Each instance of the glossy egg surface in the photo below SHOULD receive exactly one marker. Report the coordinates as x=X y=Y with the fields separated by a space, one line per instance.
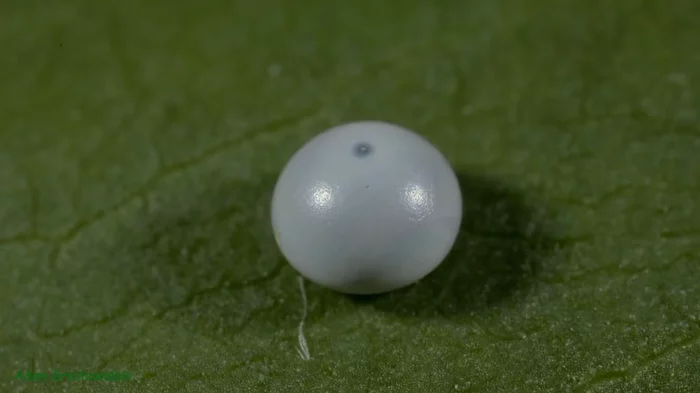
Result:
x=366 y=207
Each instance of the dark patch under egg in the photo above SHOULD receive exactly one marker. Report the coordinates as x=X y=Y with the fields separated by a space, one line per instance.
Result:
x=362 y=149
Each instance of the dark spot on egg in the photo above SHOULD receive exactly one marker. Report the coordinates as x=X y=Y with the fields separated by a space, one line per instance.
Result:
x=362 y=149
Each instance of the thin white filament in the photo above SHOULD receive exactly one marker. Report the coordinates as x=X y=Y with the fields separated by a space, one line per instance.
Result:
x=303 y=349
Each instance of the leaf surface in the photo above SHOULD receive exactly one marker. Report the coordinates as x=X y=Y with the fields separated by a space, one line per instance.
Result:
x=140 y=141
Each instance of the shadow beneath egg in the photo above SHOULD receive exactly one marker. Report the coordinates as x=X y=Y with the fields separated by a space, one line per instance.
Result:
x=496 y=255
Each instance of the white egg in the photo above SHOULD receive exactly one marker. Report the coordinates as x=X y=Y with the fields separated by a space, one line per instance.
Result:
x=366 y=207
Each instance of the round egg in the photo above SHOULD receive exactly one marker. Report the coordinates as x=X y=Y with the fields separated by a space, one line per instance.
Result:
x=366 y=207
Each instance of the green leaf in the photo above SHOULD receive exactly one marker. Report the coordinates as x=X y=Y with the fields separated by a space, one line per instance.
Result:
x=140 y=141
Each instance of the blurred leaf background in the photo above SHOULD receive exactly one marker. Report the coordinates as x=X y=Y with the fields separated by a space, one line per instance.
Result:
x=140 y=141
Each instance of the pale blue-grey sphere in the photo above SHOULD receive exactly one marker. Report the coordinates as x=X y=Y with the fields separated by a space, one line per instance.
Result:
x=366 y=207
